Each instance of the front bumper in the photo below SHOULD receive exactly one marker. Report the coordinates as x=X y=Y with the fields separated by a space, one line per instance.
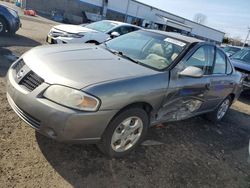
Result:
x=62 y=40
x=53 y=120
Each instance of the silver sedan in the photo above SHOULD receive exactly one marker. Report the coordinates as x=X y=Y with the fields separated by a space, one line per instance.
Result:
x=112 y=93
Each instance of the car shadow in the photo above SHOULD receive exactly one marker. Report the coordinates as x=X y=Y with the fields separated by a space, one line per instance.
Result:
x=195 y=140
x=6 y=60
x=17 y=40
x=245 y=97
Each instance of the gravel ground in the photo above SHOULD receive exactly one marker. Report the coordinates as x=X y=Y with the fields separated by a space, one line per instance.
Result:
x=191 y=153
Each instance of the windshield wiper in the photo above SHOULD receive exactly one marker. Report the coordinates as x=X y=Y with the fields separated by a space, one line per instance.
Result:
x=129 y=58
x=121 y=54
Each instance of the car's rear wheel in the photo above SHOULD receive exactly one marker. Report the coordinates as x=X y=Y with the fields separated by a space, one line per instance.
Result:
x=124 y=132
x=3 y=26
x=220 y=111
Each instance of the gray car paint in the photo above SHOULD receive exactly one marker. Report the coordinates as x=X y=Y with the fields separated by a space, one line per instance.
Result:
x=78 y=65
x=118 y=83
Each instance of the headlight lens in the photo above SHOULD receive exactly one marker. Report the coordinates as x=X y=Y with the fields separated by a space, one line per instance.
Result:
x=72 y=98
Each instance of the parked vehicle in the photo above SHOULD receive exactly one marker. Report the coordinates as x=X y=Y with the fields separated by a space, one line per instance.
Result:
x=230 y=50
x=112 y=93
x=96 y=32
x=241 y=62
x=9 y=20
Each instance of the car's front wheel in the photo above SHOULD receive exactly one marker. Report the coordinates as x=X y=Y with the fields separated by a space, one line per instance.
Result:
x=124 y=132
x=3 y=26
x=220 y=111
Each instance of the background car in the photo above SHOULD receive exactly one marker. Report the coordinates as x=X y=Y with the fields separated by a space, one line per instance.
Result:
x=96 y=32
x=9 y=20
x=110 y=94
x=230 y=50
x=241 y=62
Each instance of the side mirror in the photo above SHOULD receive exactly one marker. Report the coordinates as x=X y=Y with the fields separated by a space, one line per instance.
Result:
x=193 y=72
x=114 y=34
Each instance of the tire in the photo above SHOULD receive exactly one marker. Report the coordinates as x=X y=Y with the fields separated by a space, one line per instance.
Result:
x=124 y=133
x=219 y=113
x=3 y=26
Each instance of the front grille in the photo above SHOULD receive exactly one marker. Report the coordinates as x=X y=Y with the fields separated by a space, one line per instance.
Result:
x=35 y=123
x=31 y=81
x=19 y=65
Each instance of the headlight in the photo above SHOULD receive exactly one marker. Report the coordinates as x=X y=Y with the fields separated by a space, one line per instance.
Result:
x=73 y=35
x=72 y=98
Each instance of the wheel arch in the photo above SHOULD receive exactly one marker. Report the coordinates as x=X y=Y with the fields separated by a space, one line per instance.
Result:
x=143 y=105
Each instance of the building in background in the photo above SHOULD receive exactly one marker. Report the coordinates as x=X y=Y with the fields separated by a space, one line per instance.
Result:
x=131 y=11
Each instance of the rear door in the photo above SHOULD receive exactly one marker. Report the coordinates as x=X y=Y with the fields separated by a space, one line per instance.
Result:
x=186 y=96
x=222 y=82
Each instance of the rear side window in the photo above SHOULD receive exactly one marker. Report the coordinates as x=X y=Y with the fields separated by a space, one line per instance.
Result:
x=203 y=59
x=220 y=63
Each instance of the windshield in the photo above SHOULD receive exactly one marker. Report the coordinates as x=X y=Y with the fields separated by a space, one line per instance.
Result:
x=151 y=49
x=101 y=26
x=243 y=55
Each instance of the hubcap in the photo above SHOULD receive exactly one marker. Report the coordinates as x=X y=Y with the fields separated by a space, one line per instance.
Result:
x=1 y=26
x=223 y=109
x=127 y=134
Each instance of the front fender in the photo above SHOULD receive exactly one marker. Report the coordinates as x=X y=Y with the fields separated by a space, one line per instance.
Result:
x=115 y=95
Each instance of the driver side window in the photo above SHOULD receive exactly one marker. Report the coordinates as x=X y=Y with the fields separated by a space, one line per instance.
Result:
x=203 y=59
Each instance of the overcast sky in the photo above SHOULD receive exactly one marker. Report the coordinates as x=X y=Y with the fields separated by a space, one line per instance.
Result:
x=230 y=16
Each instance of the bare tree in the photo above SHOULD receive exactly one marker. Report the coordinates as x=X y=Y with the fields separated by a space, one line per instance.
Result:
x=200 y=18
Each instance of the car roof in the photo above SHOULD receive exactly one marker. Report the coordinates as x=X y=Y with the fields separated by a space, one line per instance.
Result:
x=177 y=36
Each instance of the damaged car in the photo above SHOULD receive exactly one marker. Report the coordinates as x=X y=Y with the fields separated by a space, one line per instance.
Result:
x=241 y=62
x=112 y=93
x=96 y=32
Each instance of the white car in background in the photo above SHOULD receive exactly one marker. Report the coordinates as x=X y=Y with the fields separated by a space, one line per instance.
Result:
x=96 y=32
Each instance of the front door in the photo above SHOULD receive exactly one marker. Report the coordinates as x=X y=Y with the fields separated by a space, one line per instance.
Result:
x=186 y=96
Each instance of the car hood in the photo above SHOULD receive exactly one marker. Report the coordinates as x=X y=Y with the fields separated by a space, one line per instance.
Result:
x=80 y=65
x=73 y=28
x=241 y=64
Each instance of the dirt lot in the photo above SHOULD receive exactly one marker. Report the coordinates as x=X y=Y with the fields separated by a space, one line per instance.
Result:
x=191 y=153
